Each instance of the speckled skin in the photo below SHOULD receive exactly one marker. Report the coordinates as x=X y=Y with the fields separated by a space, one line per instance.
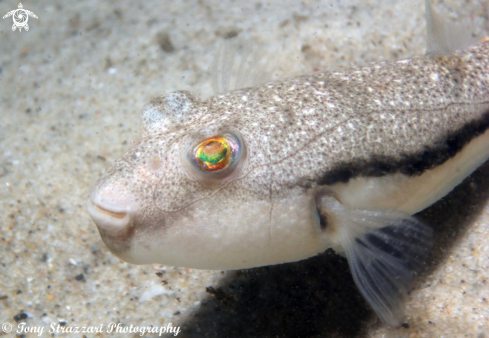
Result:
x=299 y=133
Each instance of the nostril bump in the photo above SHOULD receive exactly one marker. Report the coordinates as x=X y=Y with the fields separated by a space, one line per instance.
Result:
x=155 y=163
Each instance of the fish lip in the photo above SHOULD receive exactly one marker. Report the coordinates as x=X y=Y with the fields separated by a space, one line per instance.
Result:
x=111 y=213
x=108 y=218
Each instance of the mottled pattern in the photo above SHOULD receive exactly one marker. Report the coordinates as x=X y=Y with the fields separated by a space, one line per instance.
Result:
x=303 y=128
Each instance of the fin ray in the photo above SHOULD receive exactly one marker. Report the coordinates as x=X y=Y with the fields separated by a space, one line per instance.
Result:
x=386 y=263
x=385 y=249
x=442 y=36
x=238 y=65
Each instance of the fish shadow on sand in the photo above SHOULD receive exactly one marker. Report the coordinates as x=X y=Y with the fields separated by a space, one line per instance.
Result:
x=317 y=297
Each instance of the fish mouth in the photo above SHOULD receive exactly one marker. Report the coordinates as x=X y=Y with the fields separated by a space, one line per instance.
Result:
x=108 y=218
x=114 y=214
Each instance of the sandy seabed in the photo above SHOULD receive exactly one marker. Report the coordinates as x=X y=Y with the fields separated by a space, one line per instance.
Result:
x=70 y=92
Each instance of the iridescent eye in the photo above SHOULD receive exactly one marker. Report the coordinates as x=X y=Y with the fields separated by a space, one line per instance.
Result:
x=216 y=153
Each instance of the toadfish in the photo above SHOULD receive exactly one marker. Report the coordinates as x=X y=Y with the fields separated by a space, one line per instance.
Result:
x=285 y=170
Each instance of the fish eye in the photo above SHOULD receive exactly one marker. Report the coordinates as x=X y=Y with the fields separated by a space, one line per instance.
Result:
x=216 y=154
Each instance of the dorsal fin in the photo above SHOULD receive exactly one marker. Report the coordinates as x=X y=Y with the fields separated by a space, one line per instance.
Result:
x=443 y=36
x=237 y=65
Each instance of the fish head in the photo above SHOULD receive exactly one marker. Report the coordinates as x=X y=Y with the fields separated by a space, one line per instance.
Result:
x=194 y=192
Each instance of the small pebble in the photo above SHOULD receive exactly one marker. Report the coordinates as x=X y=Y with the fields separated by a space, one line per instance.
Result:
x=20 y=316
x=80 y=277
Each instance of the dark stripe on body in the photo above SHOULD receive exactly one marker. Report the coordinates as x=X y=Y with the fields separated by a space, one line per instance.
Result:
x=409 y=164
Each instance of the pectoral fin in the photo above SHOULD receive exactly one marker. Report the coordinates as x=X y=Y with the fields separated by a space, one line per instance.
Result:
x=385 y=250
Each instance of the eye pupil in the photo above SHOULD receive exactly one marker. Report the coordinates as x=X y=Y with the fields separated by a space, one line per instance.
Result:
x=213 y=154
